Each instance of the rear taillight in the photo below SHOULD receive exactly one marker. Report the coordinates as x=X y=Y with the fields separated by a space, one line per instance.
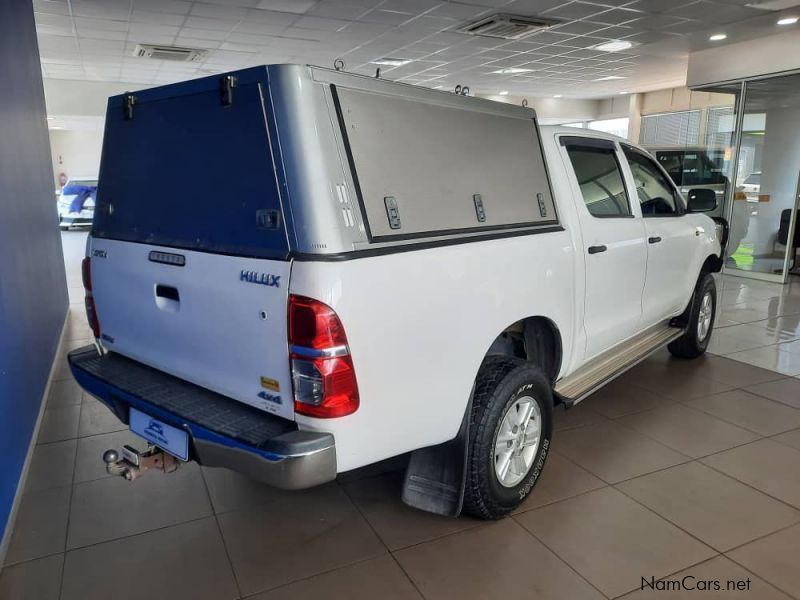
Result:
x=88 y=300
x=322 y=369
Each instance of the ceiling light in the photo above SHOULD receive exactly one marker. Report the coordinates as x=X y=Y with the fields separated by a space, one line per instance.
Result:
x=788 y=21
x=391 y=62
x=556 y=95
x=613 y=46
x=772 y=4
x=610 y=78
x=504 y=93
x=625 y=92
x=717 y=37
x=50 y=118
x=511 y=71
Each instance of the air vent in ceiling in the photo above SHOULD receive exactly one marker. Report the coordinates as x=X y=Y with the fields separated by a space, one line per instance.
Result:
x=507 y=27
x=167 y=53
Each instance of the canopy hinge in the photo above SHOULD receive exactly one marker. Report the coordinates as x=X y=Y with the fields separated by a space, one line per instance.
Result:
x=226 y=85
x=127 y=106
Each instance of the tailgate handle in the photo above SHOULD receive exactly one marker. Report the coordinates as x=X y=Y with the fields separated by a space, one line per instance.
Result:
x=168 y=292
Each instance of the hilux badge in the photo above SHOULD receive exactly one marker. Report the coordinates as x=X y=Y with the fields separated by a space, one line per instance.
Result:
x=262 y=278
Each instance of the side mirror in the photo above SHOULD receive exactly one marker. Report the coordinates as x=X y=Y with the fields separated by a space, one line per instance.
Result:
x=702 y=200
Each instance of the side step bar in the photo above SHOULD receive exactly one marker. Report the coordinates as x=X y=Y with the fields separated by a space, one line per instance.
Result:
x=600 y=370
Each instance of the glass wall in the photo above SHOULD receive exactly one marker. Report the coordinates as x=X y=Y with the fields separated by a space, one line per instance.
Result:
x=743 y=141
x=696 y=146
x=768 y=170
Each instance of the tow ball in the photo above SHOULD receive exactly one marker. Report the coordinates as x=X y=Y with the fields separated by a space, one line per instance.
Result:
x=134 y=464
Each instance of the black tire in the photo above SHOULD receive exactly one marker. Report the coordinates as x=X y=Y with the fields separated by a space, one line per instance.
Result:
x=691 y=344
x=500 y=383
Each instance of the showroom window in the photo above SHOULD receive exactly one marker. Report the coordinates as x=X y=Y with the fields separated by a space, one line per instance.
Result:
x=671 y=129
x=618 y=127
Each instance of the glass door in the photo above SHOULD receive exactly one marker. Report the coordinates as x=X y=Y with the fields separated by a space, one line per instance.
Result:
x=763 y=241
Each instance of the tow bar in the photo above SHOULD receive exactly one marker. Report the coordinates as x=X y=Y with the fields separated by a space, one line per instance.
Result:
x=134 y=464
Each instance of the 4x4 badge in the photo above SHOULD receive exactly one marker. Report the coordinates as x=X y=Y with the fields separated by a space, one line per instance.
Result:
x=262 y=278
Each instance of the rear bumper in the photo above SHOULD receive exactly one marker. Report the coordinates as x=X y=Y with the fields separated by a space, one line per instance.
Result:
x=222 y=432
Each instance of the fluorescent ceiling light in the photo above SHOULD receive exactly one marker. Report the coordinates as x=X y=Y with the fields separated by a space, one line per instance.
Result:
x=556 y=95
x=788 y=21
x=504 y=93
x=717 y=37
x=511 y=71
x=613 y=46
x=624 y=92
x=391 y=62
x=610 y=78
x=773 y=4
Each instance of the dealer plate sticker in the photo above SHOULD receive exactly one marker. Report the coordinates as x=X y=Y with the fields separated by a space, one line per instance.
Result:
x=168 y=438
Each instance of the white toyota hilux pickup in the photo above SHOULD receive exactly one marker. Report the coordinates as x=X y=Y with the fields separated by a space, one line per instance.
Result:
x=323 y=270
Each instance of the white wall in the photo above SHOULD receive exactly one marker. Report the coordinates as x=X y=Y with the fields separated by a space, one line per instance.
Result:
x=761 y=56
x=76 y=153
x=780 y=163
x=681 y=98
x=67 y=97
x=553 y=111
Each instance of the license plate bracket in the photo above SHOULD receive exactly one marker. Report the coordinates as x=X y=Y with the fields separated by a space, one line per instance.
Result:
x=170 y=439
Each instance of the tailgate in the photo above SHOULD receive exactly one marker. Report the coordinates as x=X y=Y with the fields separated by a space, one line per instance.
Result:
x=189 y=248
x=217 y=321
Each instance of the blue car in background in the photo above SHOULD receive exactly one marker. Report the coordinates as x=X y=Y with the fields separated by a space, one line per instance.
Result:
x=76 y=203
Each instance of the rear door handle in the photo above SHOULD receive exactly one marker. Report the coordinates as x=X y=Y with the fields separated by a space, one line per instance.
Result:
x=597 y=249
x=653 y=240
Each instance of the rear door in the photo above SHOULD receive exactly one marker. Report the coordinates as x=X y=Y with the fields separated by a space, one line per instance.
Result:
x=189 y=249
x=613 y=243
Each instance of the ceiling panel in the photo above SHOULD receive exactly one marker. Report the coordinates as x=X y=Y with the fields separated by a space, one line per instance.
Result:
x=94 y=39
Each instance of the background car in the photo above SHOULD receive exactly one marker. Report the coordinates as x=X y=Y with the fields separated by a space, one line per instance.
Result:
x=696 y=167
x=76 y=202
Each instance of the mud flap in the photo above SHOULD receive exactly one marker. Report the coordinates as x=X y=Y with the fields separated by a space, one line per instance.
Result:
x=436 y=475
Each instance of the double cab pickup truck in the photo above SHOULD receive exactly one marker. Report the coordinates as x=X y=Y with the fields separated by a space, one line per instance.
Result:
x=294 y=272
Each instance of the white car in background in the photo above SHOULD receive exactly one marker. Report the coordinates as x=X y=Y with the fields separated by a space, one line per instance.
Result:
x=76 y=202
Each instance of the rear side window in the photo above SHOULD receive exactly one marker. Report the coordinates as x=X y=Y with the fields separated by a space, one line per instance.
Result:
x=657 y=196
x=600 y=180
x=189 y=172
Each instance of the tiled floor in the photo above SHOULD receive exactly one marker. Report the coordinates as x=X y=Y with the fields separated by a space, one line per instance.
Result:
x=759 y=323
x=677 y=468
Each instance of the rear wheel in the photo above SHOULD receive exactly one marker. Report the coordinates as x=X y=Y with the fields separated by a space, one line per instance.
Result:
x=510 y=433
x=700 y=322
